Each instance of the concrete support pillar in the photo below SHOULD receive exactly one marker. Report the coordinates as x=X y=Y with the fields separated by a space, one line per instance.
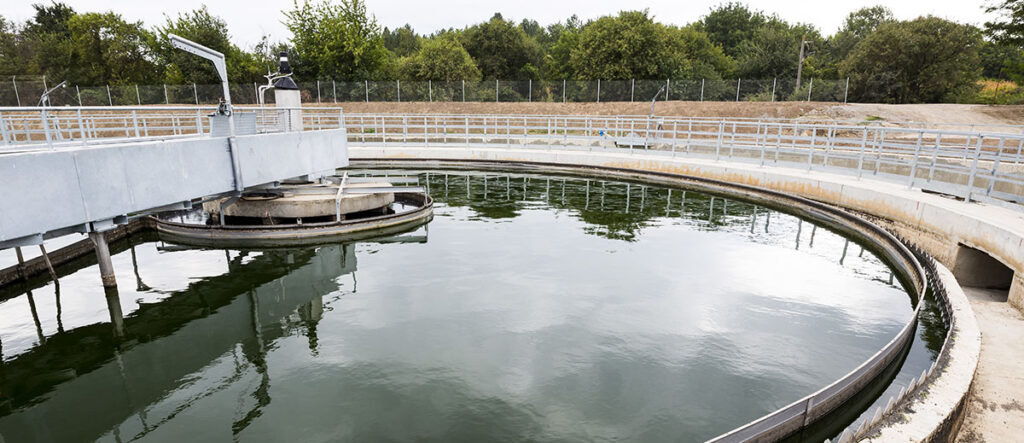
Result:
x=103 y=257
x=114 y=308
x=1016 y=296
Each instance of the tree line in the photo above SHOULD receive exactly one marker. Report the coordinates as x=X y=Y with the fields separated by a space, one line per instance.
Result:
x=927 y=59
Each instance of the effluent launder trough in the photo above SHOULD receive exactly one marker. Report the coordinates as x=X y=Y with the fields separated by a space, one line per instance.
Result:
x=532 y=306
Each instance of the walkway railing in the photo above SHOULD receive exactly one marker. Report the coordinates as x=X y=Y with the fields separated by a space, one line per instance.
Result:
x=971 y=165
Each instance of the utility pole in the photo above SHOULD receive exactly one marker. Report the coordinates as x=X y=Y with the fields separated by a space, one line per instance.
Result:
x=800 y=64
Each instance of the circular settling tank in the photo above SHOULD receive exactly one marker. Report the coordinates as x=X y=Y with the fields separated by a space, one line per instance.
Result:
x=532 y=307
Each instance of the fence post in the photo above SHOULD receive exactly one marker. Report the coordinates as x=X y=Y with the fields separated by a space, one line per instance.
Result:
x=79 y=93
x=463 y=91
x=195 y=92
x=701 y=89
x=774 y=81
x=847 y=93
x=366 y=88
x=334 y=90
x=110 y=100
x=529 y=93
x=18 y=97
x=318 y=92
x=399 y=83
x=563 y=91
x=599 y=90
x=738 y=80
x=138 y=98
x=632 y=87
x=430 y=90
x=496 y=90
x=668 y=87
x=810 y=88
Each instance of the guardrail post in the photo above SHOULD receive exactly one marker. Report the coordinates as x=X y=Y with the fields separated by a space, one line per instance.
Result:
x=863 y=147
x=810 y=146
x=718 y=143
x=110 y=99
x=974 y=170
x=3 y=130
x=917 y=156
x=995 y=167
x=675 y=135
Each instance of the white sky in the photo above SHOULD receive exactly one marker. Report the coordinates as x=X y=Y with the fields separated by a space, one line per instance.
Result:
x=246 y=25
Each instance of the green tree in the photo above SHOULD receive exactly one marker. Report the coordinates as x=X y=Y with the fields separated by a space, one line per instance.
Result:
x=14 y=53
x=440 y=59
x=928 y=59
x=110 y=50
x=47 y=37
x=502 y=50
x=857 y=26
x=337 y=40
x=1008 y=28
x=633 y=46
x=774 y=51
x=731 y=24
x=211 y=31
x=403 y=41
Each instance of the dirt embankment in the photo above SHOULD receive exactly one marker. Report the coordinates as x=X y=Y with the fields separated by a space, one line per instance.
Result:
x=929 y=113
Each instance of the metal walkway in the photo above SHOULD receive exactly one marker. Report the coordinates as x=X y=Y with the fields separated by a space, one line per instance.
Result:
x=86 y=170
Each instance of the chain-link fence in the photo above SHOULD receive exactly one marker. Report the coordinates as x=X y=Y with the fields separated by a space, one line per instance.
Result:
x=16 y=92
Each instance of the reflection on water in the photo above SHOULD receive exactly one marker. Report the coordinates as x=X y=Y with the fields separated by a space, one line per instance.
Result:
x=535 y=308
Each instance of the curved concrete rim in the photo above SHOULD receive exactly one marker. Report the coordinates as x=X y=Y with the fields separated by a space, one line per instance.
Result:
x=936 y=420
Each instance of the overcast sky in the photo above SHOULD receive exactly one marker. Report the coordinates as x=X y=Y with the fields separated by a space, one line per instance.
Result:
x=247 y=25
